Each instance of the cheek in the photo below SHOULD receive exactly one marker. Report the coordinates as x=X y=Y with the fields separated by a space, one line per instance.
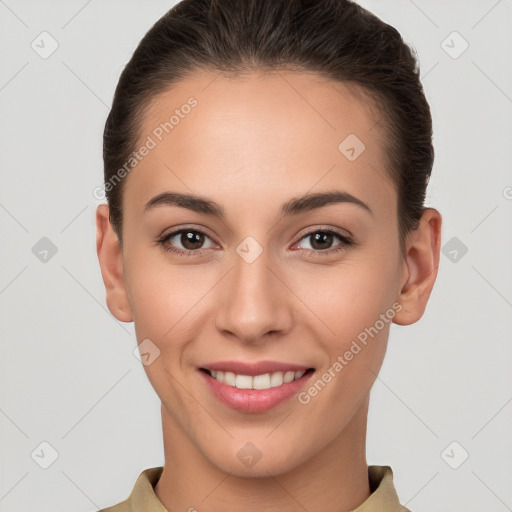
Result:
x=165 y=299
x=355 y=355
x=151 y=290
x=347 y=298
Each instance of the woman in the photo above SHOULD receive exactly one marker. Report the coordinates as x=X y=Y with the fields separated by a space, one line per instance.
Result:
x=266 y=163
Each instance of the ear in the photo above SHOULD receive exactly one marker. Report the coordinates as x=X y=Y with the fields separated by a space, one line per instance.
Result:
x=422 y=250
x=110 y=258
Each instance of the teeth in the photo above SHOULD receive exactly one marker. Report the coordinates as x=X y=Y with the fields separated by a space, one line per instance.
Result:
x=243 y=382
x=265 y=381
x=229 y=378
x=289 y=376
x=261 y=381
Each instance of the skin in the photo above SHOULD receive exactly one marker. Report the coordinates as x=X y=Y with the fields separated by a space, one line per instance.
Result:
x=251 y=144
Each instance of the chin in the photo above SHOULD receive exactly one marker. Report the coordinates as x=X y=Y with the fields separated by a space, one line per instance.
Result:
x=249 y=461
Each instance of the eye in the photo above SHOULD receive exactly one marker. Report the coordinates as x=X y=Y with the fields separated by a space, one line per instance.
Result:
x=190 y=242
x=185 y=241
x=321 y=241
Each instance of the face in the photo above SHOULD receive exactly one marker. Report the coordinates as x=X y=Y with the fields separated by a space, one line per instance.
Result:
x=256 y=280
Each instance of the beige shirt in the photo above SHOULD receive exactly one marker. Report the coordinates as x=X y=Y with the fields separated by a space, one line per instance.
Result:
x=383 y=496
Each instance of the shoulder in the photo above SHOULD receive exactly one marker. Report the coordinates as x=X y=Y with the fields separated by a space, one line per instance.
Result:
x=123 y=506
x=120 y=507
x=142 y=497
x=383 y=496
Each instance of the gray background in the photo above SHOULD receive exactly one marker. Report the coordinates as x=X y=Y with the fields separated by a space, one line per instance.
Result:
x=68 y=374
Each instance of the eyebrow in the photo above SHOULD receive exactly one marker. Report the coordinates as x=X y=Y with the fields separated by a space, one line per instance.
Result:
x=294 y=206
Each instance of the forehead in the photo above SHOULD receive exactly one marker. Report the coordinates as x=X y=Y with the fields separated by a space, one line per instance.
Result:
x=275 y=134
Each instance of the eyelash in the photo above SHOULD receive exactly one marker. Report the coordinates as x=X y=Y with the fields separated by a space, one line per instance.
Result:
x=345 y=242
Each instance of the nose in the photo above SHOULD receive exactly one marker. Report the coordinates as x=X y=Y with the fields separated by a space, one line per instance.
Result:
x=254 y=303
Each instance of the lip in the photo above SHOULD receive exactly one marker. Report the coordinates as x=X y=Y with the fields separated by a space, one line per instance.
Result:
x=252 y=369
x=254 y=400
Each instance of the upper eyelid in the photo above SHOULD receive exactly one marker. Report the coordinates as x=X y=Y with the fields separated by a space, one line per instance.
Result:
x=337 y=231
x=174 y=232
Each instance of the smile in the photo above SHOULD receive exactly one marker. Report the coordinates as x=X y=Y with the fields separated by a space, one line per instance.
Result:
x=254 y=388
x=264 y=381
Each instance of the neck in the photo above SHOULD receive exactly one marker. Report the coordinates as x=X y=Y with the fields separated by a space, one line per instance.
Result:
x=334 y=480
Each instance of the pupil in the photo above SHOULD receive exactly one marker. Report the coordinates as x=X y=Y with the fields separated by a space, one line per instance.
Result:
x=319 y=238
x=191 y=240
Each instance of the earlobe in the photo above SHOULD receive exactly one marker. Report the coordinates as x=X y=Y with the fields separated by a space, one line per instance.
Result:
x=110 y=259
x=423 y=247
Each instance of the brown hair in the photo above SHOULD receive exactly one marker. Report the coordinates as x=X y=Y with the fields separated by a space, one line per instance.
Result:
x=336 y=38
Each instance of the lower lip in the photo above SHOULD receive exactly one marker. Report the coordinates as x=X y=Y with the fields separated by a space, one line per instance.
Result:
x=254 y=400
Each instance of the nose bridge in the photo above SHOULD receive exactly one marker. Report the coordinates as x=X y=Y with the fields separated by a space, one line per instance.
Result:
x=252 y=304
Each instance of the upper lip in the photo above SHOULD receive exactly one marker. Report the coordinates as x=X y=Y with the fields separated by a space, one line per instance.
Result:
x=251 y=369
